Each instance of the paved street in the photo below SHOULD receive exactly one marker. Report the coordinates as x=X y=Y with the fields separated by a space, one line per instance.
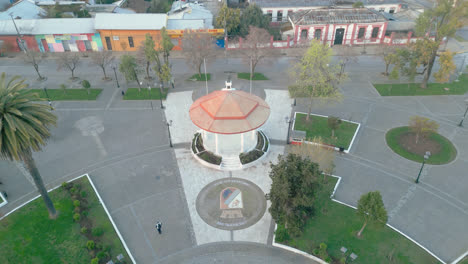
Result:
x=141 y=181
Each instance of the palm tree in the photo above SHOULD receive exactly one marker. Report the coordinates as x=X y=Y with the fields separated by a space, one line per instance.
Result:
x=24 y=127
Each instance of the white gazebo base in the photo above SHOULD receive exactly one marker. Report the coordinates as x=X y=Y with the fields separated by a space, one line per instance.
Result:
x=229 y=145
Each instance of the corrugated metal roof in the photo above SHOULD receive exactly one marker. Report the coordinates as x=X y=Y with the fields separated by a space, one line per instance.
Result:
x=185 y=24
x=130 y=21
x=314 y=3
x=336 y=16
x=24 y=9
x=190 y=11
x=48 y=26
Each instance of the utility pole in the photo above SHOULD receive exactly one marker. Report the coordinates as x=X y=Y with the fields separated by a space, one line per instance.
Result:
x=20 y=41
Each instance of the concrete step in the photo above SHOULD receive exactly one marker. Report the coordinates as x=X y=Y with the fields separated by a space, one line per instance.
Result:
x=231 y=163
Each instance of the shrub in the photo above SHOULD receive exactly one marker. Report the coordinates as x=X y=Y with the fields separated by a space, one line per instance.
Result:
x=102 y=254
x=98 y=246
x=66 y=185
x=281 y=234
x=76 y=217
x=84 y=213
x=199 y=143
x=210 y=157
x=73 y=190
x=85 y=84
x=194 y=143
x=83 y=194
x=97 y=232
x=84 y=230
x=76 y=203
x=250 y=156
x=95 y=261
x=90 y=245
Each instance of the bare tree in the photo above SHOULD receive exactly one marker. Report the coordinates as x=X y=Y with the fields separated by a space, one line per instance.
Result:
x=102 y=59
x=68 y=61
x=346 y=57
x=197 y=46
x=256 y=47
x=422 y=126
x=34 y=58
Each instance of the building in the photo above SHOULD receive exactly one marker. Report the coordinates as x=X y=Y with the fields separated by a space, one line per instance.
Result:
x=23 y=9
x=126 y=32
x=51 y=35
x=279 y=10
x=339 y=26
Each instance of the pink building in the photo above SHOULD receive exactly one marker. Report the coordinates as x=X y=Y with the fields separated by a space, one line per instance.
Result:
x=354 y=26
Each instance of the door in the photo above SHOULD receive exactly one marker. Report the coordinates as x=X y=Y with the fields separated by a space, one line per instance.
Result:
x=339 y=33
x=45 y=45
x=108 y=43
x=66 y=45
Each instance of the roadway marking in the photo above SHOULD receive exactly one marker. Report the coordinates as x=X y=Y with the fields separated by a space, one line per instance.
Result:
x=144 y=233
x=112 y=99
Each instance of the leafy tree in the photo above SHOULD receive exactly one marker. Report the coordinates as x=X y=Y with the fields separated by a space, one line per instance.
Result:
x=159 y=6
x=147 y=52
x=416 y=56
x=129 y=68
x=34 y=58
x=390 y=57
x=333 y=123
x=86 y=85
x=371 y=208
x=196 y=47
x=229 y=19
x=165 y=45
x=443 y=20
x=313 y=76
x=358 y=4
x=253 y=16
x=422 y=126
x=447 y=67
x=318 y=153
x=102 y=59
x=24 y=127
x=294 y=182
x=254 y=49
x=69 y=61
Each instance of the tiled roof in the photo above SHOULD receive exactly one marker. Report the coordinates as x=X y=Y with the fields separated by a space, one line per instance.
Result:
x=336 y=16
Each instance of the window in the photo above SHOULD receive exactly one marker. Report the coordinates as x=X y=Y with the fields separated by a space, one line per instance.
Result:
x=361 y=33
x=130 y=42
x=381 y=9
x=304 y=34
x=375 y=32
x=115 y=37
x=279 y=16
x=318 y=34
x=270 y=15
x=392 y=10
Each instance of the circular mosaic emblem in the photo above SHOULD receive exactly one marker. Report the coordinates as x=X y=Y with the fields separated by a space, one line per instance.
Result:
x=231 y=204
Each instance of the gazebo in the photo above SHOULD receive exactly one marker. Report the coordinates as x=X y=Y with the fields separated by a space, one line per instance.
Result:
x=229 y=119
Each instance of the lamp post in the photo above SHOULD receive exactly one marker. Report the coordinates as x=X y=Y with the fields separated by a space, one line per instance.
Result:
x=289 y=121
x=426 y=157
x=464 y=115
x=169 y=131
x=48 y=98
x=115 y=74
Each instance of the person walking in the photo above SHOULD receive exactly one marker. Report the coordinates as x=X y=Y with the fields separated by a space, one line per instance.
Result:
x=158 y=227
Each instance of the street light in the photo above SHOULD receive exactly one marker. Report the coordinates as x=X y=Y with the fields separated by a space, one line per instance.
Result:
x=169 y=131
x=115 y=74
x=464 y=115
x=289 y=121
x=426 y=157
x=48 y=98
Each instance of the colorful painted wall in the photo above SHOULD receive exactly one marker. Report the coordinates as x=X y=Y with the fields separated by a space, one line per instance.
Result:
x=69 y=42
x=10 y=44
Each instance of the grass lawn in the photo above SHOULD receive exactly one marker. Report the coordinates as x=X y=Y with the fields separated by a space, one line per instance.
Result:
x=446 y=154
x=29 y=236
x=337 y=225
x=69 y=95
x=155 y=94
x=200 y=77
x=256 y=77
x=318 y=127
x=402 y=89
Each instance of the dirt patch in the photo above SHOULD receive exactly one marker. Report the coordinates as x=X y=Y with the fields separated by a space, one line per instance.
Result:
x=408 y=142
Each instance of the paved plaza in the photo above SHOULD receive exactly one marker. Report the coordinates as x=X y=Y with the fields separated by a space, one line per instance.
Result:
x=124 y=146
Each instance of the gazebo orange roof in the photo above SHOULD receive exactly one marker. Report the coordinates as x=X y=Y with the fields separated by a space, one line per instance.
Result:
x=229 y=112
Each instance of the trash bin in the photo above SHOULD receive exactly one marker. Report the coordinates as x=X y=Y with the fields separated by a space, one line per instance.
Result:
x=341 y=149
